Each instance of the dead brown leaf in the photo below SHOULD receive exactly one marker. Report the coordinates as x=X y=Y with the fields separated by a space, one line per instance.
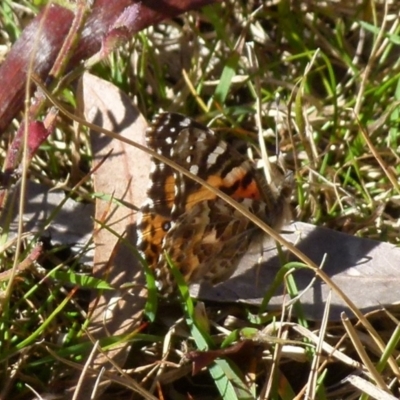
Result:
x=118 y=183
x=366 y=270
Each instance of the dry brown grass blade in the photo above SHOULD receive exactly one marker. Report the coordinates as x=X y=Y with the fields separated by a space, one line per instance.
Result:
x=368 y=388
x=388 y=171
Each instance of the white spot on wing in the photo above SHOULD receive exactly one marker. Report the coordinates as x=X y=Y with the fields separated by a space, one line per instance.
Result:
x=235 y=174
x=153 y=168
x=185 y=122
x=211 y=159
x=194 y=169
x=203 y=136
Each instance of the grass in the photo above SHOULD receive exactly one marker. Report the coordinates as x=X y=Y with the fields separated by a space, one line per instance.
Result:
x=336 y=70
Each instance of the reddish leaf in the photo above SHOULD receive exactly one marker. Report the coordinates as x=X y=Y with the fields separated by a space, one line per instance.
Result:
x=241 y=353
x=45 y=35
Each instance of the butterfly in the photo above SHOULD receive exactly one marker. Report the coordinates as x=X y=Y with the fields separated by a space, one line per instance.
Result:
x=203 y=235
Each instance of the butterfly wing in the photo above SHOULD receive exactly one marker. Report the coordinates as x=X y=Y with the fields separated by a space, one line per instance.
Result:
x=204 y=236
x=206 y=243
x=186 y=142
